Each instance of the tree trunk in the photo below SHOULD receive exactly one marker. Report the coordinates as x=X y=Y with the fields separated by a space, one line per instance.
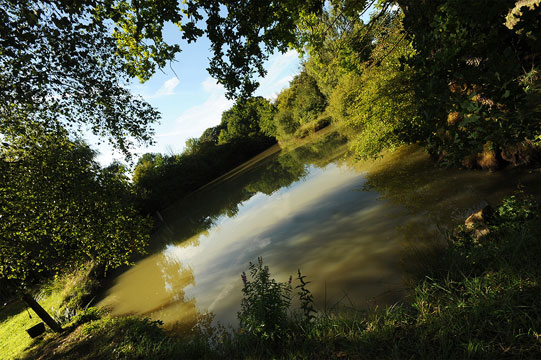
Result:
x=47 y=319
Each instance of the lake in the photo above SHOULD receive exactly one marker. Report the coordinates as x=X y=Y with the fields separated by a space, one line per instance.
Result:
x=355 y=229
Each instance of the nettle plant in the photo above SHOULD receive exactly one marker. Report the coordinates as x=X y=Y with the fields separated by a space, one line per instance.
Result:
x=265 y=306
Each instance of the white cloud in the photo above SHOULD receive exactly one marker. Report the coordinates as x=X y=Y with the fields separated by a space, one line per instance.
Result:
x=196 y=119
x=281 y=70
x=210 y=86
x=280 y=85
x=193 y=121
x=170 y=85
x=167 y=89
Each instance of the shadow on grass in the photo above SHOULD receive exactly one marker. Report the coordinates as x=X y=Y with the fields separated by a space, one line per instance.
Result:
x=11 y=309
x=127 y=337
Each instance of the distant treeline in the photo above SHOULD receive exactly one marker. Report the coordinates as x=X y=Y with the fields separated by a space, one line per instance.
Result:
x=243 y=133
x=459 y=78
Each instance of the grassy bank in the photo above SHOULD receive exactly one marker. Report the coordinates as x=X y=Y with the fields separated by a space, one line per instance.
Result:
x=14 y=319
x=63 y=297
x=480 y=298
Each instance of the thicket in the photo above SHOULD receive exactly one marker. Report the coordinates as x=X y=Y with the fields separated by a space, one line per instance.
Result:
x=60 y=209
x=477 y=79
x=300 y=108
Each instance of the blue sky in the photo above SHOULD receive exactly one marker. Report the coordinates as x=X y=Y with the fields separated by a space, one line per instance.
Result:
x=190 y=100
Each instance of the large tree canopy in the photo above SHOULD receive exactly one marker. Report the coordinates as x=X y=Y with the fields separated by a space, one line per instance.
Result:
x=475 y=73
x=59 y=209
x=250 y=117
x=243 y=33
x=58 y=65
x=68 y=61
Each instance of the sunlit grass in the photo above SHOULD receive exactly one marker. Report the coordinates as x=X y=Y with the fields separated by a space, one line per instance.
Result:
x=14 y=320
x=67 y=292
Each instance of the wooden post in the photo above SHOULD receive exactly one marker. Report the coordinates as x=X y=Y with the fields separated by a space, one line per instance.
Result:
x=47 y=319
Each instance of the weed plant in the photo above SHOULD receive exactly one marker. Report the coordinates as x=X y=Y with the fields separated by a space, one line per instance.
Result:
x=265 y=305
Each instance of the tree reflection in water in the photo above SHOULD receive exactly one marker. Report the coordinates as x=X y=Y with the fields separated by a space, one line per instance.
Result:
x=353 y=228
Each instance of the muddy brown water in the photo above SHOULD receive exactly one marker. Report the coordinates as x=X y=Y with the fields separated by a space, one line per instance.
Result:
x=353 y=229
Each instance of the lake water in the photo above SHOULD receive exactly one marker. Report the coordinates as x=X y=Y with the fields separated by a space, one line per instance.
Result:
x=354 y=229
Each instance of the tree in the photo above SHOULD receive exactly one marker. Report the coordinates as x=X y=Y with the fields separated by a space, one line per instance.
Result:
x=472 y=68
x=129 y=34
x=243 y=33
x=59 y=66
x=298 y=105
x=340 y=43
x=60 y=73
x=212 y=134
x=248 y=117
x=68 y=61
x=58 y=209
x=337 y=40
x=375 y=102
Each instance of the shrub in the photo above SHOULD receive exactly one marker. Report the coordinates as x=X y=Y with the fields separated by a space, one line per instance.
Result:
x=264 y=308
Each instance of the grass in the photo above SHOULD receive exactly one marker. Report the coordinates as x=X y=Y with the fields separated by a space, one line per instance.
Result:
x=480 y=299
x=62 y=297
x=126 y=337
x=14 y=320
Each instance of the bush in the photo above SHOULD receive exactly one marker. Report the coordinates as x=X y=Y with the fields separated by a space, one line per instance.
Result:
x=264 y=308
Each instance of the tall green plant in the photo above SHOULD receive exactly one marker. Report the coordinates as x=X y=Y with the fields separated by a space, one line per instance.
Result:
x=306 y=298
x=264 y=308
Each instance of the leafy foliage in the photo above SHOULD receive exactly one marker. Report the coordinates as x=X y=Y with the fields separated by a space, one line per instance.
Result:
x=375 y=104
x=265 y=305
x=161 y=179
x=302 y=103
x=244 y=33
x=338 y=42
x=469 y=64
x=59 y=68
x=59 y=209
x=459 y=79
x=248 y=118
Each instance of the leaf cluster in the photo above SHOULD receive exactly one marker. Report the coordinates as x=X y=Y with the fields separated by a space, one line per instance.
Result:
x=59 y=209
x=469 y=63
x=248 y=118
x=59 y=66
x=302 y=103
x=265 y=304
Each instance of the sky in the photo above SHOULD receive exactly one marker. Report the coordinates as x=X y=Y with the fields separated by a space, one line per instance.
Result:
x=189 y=100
